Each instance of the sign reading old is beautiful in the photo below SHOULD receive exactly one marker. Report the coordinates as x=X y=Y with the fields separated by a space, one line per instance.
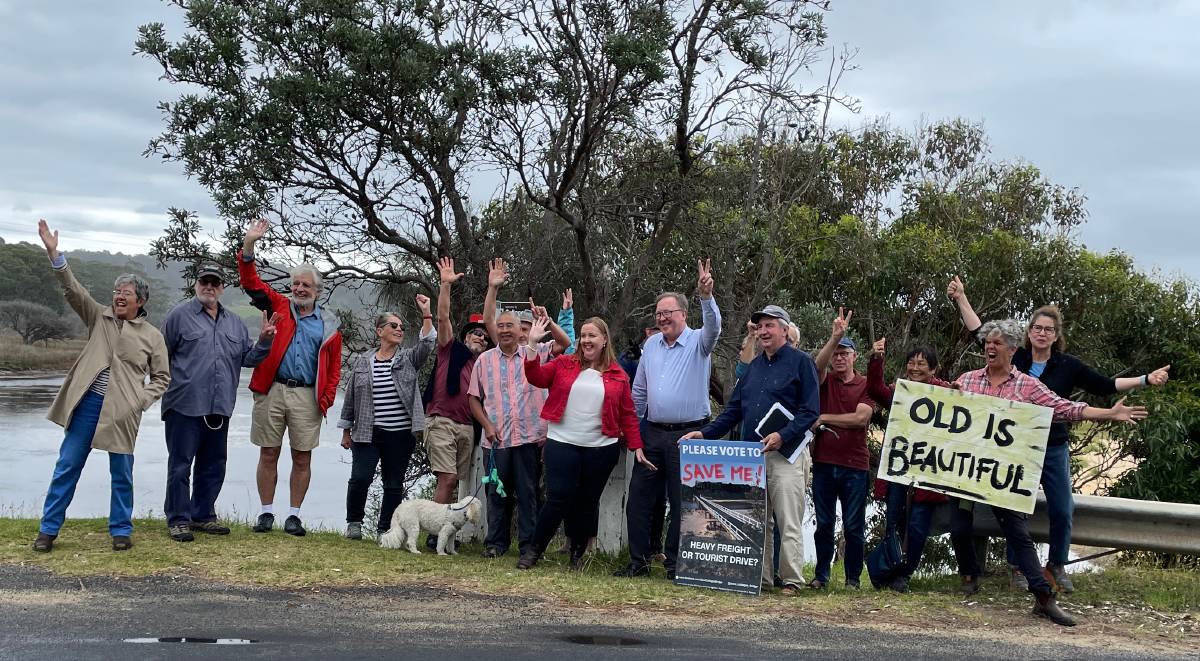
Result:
x=982 y=448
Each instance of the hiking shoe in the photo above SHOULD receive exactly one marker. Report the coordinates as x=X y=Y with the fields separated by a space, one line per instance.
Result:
x=122 y=543
x=210 y=527
x=1017 y=581
x=266 y=521
x=492 y=552
x=528 y=559
x=852 y=584
x=293 y=526
x=181 y=533
x=44 y=542
x=1044 y=605
x=354 y=530
x=899 y=584
x=816 y=584
x=790 y=590
x=632 y=570
x=1059 y=575
x=970 y=585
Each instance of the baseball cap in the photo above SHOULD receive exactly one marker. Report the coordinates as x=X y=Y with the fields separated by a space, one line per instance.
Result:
x=771 y=311
x=210 y=270
x=525 y=316
x=848 y=343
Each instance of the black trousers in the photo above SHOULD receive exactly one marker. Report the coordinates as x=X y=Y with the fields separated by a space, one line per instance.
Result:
x=1016 y=530
x=661 y=449
x=519 y=469
x=575 y=480
x=196 y=455
x=391 y=450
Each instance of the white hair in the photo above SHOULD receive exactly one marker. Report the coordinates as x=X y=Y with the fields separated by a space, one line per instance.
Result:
x=1010 y=330
x=307 y=269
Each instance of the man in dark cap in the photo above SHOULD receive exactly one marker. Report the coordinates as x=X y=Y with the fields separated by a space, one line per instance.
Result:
x=207 y=346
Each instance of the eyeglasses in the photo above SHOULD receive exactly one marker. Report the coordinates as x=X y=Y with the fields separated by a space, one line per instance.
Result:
x=392 y=325
x=666 y=314
x=478 y=332
x=124 y=294
x=1038 y=328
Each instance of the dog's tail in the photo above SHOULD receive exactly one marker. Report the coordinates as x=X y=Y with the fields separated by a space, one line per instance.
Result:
x=392 y=539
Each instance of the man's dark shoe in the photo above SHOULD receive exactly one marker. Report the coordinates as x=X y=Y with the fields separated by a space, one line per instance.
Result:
x=632 y=570
x=1017 y=581
x=44 y=542
x=528 y=559
x=670 y=574
x=209 y=527
x=293 y=526
x=181 y=533
x=492 y=552
x=899 y=584
x=122 y=543
x=431 y=542
x=816 y=584
x=1058 y=574
x=266 y=521
x=852 y=585
x=970 y=585
x=1044 y=605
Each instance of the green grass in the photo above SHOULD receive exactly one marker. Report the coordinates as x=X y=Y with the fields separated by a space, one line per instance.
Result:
x=325 y=559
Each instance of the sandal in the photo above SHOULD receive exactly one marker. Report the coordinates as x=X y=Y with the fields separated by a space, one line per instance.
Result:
x=122 y=543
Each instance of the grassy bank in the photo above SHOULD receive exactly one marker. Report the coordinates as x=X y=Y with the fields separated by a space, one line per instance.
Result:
x=1127 y=600
x=16 y=356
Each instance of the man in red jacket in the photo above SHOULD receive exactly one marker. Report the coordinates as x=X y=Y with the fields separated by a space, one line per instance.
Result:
x=295 y=384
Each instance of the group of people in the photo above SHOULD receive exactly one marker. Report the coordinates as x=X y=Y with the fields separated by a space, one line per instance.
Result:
x=548 y=407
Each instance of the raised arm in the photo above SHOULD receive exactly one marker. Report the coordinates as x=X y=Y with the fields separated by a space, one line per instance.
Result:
x=825 y=356
x=1156 y=378
x=447 y=278
x=958 y=293
x=747 y=352
x=427 y=338
x=710 y=332
x=497 y=276
x=77 y=296
x=557 y=334
x=260 y=292
x=877 y=387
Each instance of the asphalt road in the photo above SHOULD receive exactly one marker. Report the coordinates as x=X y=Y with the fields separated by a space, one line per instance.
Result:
x=44 y=616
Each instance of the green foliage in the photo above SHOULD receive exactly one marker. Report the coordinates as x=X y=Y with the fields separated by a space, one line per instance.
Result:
x=26 y=270
x=34 y=322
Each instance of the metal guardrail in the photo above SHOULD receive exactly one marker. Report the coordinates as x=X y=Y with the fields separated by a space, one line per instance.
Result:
x=1106 y=522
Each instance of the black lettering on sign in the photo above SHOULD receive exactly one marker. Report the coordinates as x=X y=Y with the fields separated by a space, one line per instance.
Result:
x=1016 y=486
x=898 y=456
x=922 y=410
x=1003 y=437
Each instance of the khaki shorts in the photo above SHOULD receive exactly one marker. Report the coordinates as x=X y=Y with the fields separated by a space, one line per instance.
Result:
x=284 y=408
x=449 y=446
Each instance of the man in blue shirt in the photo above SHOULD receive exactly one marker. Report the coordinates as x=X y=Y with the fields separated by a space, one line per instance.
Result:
x=207 y=346
x=670 y=393
x=784 y=375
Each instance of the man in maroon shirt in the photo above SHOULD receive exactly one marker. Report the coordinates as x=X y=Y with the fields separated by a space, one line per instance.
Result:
x=449 y=427
x=841 y=463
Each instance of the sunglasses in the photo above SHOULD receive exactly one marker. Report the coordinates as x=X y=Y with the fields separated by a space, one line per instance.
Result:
x=478 y=332
x=392 y=325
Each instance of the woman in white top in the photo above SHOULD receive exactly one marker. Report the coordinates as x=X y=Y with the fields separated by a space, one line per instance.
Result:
x=590 y=411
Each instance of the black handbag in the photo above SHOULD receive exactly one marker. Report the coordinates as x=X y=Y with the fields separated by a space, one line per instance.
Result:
x=887 y=559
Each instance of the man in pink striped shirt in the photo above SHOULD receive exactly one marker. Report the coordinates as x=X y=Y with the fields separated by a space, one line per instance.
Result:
x=509 y=411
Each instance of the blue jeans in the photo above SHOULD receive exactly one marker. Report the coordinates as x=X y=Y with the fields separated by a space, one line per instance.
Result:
x=919 y=520
x=71 y=457
x=832 y=484
x=1060 y=504
x=192 y=491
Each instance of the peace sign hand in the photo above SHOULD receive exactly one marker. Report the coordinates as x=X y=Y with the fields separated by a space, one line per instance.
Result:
x=842 y=322
x=267 y=333
x=568 y=299
x=704 y=282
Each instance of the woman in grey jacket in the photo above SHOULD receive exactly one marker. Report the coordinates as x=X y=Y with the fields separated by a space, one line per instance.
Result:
x=381 y=410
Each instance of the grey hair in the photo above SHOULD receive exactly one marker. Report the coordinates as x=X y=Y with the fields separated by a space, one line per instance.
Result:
x=140 y=287
x=680 y=299
x=309 y=269
x=1010 y=330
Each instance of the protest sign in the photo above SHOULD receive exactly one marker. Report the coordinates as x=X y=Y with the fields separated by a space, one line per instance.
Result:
x=973 y=446
x=721 y=515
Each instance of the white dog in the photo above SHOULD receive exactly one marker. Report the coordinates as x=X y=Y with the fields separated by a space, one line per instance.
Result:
x=413 y=516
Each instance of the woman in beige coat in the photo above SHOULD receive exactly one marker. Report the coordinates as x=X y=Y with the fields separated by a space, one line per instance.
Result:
x=105 y=392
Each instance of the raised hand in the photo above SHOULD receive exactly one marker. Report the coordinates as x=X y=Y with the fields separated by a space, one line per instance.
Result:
x=538 y=330
x=423 y=304
x=257 y=230
x=880 y=346
x=446 y=271
x=1123 y=413
x=955 y=289
x=267 y=332
x=751 y=328
x=704 y=282
x=539 y=312
x=568 y=299
x=49 y=239
x=842 y=322
x=1159 y=376
x=497 y=273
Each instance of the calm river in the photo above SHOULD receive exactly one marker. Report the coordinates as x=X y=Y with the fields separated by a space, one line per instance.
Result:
x=33 y=443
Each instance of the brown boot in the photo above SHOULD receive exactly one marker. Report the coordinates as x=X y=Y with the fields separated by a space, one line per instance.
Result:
x=970 y=585
x=44 y=542
x=1044 y=605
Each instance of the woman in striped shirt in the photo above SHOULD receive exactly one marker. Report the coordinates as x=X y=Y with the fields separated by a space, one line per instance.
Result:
x=380 y=412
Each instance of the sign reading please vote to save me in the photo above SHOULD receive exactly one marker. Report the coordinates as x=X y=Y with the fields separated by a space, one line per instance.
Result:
x=982 y=448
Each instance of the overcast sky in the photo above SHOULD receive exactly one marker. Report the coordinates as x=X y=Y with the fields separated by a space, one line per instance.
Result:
x=1103 y=96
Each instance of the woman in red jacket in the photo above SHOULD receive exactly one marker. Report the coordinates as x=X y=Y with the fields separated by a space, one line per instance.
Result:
x=589 y=410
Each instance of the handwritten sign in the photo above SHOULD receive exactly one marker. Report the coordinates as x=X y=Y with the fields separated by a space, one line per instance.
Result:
x=962 y=444
x=721 y=515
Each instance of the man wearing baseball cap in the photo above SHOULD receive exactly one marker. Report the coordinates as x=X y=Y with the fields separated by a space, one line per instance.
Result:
x=449 y=429
x=841 y=461
x=207 y=346
x=783 y=375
